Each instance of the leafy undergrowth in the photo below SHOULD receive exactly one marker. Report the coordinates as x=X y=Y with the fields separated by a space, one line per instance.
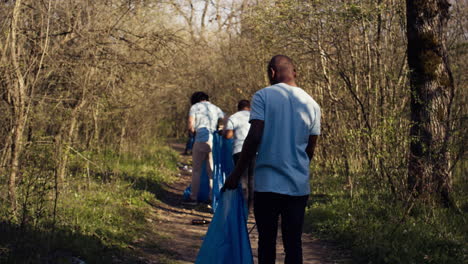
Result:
x=101 y=213
x=379 y=229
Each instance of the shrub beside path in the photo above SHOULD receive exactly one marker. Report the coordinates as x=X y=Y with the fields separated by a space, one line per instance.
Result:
x=178 y=240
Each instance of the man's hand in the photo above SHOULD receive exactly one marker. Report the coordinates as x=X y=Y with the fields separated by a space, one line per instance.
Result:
x=232 y=181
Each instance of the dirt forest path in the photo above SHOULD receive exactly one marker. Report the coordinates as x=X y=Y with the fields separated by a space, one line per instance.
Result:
x=181 y=240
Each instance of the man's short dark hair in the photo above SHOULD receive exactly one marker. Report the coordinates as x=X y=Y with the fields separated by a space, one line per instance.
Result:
x=281 y=63
x=198 y=97
x=243 y=104
x=281 y=69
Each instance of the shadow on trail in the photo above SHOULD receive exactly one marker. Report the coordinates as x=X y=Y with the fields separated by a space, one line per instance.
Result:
x=32 y=245
x=168 y=209
x=170 y=197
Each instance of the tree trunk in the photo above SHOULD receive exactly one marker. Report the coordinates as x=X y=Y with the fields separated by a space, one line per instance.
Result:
x=66 y=144
x=96 y=127
x=6 y=153
x=17 y=92
x=432 y=90
x=123 y=133
x=16 y=149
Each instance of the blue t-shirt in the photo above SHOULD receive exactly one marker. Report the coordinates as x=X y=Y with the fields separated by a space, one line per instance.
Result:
x=205 y=115
x=290 y=116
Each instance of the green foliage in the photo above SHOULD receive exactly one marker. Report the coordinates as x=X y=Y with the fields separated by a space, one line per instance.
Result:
x=379 y=229
x=113 y=212
x=99 y=214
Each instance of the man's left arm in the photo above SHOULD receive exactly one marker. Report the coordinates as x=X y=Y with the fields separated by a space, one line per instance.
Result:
x=249 y=151
x=228 y=134
x=314 y=132
x=228 y=131
x=221 y=120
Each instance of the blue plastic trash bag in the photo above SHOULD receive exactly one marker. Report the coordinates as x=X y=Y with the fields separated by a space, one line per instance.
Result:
x=227 y=239
x=204 y=190
x=223 y=165
x=187 y=192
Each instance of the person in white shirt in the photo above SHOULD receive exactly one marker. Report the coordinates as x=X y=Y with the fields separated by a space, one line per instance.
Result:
x=203 y=121
x=285 y=124
x=237 y=127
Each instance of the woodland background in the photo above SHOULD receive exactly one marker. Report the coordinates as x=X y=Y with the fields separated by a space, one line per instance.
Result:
x=89 y=91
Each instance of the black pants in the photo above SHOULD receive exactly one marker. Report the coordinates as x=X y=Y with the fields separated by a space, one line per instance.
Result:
x=247 y=181
x=267 y=209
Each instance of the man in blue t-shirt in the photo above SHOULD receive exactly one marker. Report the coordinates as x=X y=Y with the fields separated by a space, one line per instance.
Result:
x=285 y=124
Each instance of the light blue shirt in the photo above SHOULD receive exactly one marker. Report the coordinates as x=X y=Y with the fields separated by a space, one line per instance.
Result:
x=205 y=115
x=239 y=123
x=290 y=116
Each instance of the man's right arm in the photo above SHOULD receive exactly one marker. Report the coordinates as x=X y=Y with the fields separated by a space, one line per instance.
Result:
x=190 y=126
x=252 y=141
x=248 y=153
x=228 y=131
x=310 y=149
x=191 y=119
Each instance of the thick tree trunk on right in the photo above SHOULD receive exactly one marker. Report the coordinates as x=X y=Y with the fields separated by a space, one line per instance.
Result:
x=432 y=89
